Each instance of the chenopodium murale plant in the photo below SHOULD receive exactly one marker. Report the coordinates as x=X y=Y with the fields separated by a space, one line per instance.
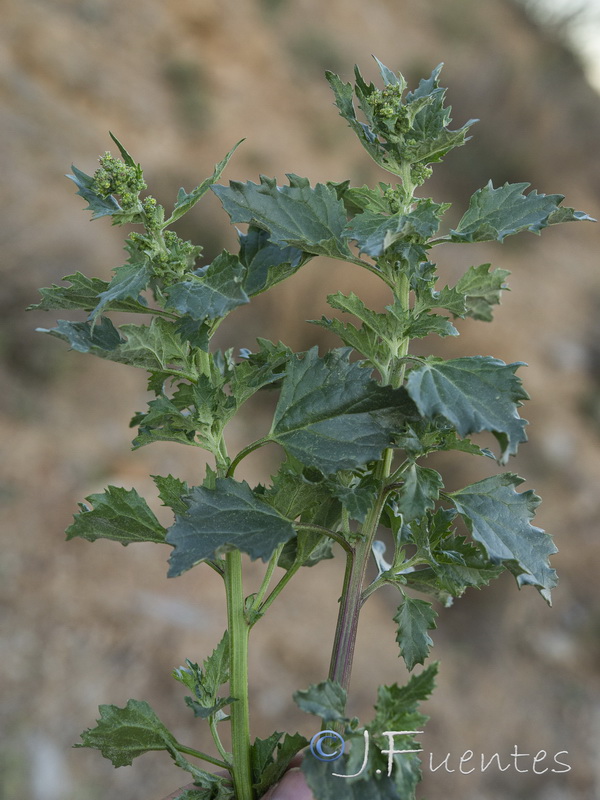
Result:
x=354 y=427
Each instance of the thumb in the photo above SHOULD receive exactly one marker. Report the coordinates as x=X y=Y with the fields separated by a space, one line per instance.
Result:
x=291 y=787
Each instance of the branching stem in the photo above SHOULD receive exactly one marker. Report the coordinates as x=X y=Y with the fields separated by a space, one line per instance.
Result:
x=189 y=751
x=245 y=452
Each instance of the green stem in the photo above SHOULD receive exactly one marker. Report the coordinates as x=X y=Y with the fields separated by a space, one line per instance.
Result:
x=238 y=667
x=212 y=723
x=337 y=537
x=267 y=578
x=246 y=452
x=279 y=587
x=189 y=751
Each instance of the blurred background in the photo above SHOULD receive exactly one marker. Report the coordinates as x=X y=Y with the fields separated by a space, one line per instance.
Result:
x=179 y=83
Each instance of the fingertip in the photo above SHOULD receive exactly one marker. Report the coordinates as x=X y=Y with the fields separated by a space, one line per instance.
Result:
x=291 y=787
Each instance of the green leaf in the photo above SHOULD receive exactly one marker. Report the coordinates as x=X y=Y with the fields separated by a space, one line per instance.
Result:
x=127 y=283
x=291 y=494
x=419 y=326
x=267 y=770
x=498 y=518
x=397 y=710
x=200 y=794
x=164 y=422
x=363 y=198
x=494 y=214
x=415 y=618
x=261 y=755
x=258 y=370
x=127 y=158
x=456 y=565
x=266 y=263
x=118 y=514
x=331 y=415
x=413 y=130
x=216 y=666
x=194 y=415
x=356 y=496
x=394 y=702
x=344 y=100
x=213 y=787
x=154 y=347
x=448 y=298
x=187 y=201
x=99 y=206
x=311 y=219
x=432 y=139
x=326 y=700
x=100 y=339
x=420 y=491
x=380 y=336
x=213 y=291
x=194 y=332
x=326 y=786
x=123 y=734
x=206 y=683
x=478 y=393
x=172 y=491
x=389 y=77
x=306 y=547
x=227 y=517
x=376 y=233
x=83 y=293
x=482 y=290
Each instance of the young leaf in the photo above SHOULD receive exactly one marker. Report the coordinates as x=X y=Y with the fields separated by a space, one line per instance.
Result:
x=118 y=514
x=101 y=339
x=266 y=263
x=420 y=491
x=481 y=290
x=261 y=754
x=331 y=414
x=99 y=206
x=362 y=198
x=187 y=201
x=172 y=491
x=377 y=233
x=128 y=281
x=205 y=683
x=414 y=618
x=394 y=702
x=83 y=293
x=165 y=422
x=477 y=393
x=229 y=516
x=123 y=734
x=357 y=496
x=494 y=214
x=326 y=700
x=216 y=666
x=154 y=347
x=498 y=518
x=311 y=219
x=212 y=292
x=291 y=494
x=265 y=768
